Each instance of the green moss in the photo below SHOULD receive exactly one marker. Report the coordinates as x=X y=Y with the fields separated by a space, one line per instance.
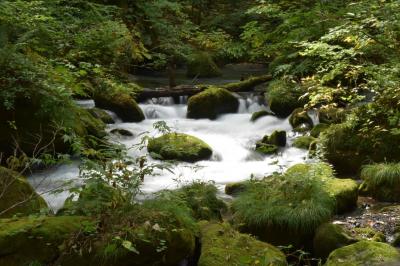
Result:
x=39 y=239
x=202 y=66
x=303 y=142
x=329 y=237
x=278 y=138
x=19 y=193
x=247 y=84
x=221 y=245
x=286 y=209
x=300 y=117
x=382 y=181
x=367 y=233
x=331 y=115
x=120 y=102
x=102 y=115
x=211 y=103
x=201 y=198
x=318 y=129
x=266 y=148
x=181 y=147
x=345 y=193
x=257 y=115
x=364 y=253
x=86 y=124
x=283 y=97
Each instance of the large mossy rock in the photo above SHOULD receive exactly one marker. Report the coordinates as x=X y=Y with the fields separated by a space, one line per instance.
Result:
x=270 y=144
x=27 y=240
x=286 y=209
x=202 y=66
x=102 y=115
x=382 y=181
x=300 y=118
x=345 y=193
x=19 y=196
x=257 y=115
x=318 y=129
x=120 y=102
x=329 y=237
x=87 y=125
x=211 y=103
x=284 y=97
x=365 y=253
x=221 y=245
x=180 y=147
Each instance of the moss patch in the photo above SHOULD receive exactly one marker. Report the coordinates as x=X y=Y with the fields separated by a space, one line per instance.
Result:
x=345 y=193
x=102 y=115
x=364 y=253
x=257 y=115
x=303 y=142
x=18 y=190
x=221 y=246
x=202 y=66
x=318 y=129
x=181 y=147
x=211 y=103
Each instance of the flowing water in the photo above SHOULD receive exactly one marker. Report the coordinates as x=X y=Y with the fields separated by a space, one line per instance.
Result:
x=231 y=136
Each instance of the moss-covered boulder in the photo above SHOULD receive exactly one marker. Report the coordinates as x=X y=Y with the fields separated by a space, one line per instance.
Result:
x=345 y=193
x=257 y=115
x=331 y=115
x=266 y=148
x=286 y=209
x=365 y=252
x=318 y=129
x=382 y=181
x=36 y=239
x=17 y=195
x=300 y=118
x=329 y=237
x=278 y=138
x=180 y=147
x=367 y=233
x=102 y=115
x=120 y=102
x=87 y=125
x=283 y=97
x=221 y=245
x=121 y=132
x=201 y=198
x=234 y=189
x=303 y=142
x=211 y=103
x=201 y=65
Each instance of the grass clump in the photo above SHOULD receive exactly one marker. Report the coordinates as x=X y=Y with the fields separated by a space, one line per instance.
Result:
x=382 y=181
x=286 y=209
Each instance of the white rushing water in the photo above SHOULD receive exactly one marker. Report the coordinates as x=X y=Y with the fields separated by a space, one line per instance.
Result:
x=231 y=136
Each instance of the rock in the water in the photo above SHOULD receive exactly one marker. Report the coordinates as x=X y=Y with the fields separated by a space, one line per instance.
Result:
x=283 y=97
x=235 y=189
x=221 y=245
x=211 y=103
x=329 y=237
x=180 y=147
x=266 y=148
x=303 y=142
x=122 y=132
x=382 y=181
x=278 y=138
x=202 y=66
x=300 y=117
x=121 y=103
x=365 y=252
x=257 y=115
x=102 y=115
x=19 y=197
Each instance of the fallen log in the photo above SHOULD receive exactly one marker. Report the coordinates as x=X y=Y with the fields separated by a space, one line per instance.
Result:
x=189 y=90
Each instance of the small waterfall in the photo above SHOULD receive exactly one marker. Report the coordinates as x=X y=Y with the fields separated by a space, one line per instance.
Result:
x=250 y=104
x=85 y=103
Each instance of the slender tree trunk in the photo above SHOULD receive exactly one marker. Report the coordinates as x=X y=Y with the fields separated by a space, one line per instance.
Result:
x=171 y=73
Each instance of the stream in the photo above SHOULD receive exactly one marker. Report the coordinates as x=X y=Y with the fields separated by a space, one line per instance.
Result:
x=232 y=138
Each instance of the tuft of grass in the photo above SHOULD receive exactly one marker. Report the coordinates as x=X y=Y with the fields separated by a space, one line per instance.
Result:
x=295 y=201
x=381 y=174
